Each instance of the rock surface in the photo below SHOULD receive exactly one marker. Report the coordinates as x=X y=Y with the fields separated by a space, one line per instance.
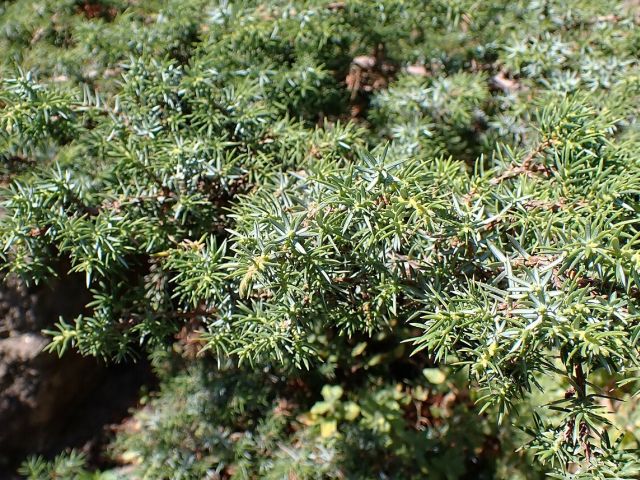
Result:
x=36 y=386
x=49 y=403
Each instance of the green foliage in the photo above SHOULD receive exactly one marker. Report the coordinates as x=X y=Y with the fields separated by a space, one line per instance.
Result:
x=427 y=213
x=70 y=465
x=238 y=424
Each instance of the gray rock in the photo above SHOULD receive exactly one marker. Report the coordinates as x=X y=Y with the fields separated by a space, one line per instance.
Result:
x=36 y=387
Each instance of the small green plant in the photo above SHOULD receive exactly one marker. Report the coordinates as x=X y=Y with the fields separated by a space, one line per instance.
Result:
x=401 y=237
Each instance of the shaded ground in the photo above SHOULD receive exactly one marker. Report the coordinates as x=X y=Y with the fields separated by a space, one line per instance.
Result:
x=48 y=403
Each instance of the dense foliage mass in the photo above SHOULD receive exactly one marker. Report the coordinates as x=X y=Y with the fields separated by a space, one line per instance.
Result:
x=395 y=239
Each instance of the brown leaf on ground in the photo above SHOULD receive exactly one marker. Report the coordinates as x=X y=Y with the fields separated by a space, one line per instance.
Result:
x=506 y=84
x=417 y=70
x=334 y=6
x=366 y=62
